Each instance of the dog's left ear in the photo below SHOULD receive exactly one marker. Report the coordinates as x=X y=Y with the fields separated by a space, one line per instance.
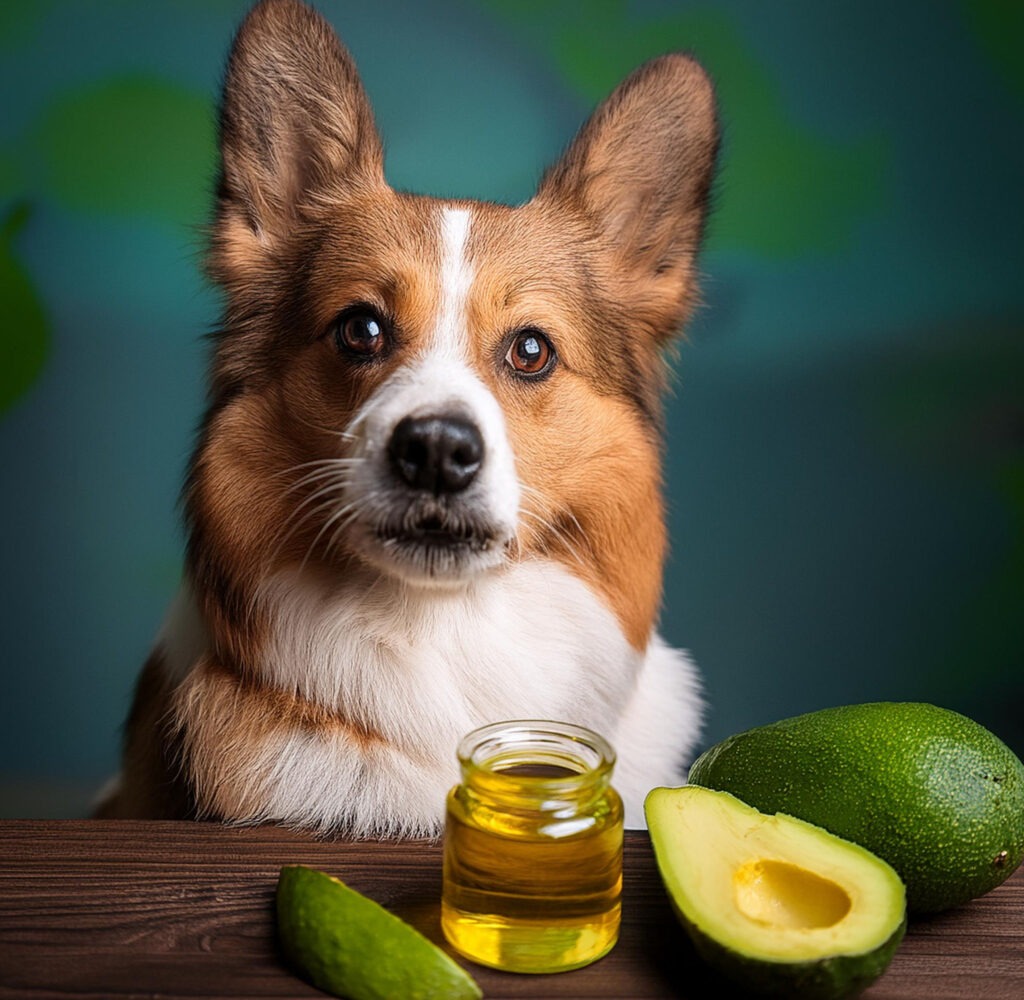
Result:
x=294 y=120
x=640 y=171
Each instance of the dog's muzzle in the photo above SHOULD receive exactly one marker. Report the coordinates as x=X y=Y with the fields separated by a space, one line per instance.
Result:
x=434 y=485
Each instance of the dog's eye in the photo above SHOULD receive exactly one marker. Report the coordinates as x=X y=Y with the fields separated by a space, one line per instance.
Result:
x=530 y=353
x=361 y=332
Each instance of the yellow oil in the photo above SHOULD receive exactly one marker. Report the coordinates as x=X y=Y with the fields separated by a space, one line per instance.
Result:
x=532 y=876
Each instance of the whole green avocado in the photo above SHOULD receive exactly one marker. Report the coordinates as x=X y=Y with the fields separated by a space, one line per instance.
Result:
x=933 y=793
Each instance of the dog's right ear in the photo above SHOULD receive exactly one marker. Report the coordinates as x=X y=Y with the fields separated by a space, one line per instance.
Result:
x=294 y=122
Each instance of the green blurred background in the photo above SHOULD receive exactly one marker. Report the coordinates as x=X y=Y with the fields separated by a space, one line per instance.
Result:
x=846 y=429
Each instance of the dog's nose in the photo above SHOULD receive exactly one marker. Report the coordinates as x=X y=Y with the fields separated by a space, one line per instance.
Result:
x=440 y=454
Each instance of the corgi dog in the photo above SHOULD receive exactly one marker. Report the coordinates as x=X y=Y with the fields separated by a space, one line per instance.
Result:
x=426 y=493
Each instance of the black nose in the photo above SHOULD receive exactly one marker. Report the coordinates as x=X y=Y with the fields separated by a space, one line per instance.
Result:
x=439 y=454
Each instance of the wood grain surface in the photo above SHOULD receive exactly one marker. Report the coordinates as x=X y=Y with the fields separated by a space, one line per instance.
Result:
x=138 y=909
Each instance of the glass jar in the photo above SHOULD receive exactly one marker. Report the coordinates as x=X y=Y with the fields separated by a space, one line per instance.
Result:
x=533 y=848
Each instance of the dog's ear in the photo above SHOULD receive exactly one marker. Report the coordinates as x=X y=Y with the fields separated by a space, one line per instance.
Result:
x=294 y=120
x=640 y=171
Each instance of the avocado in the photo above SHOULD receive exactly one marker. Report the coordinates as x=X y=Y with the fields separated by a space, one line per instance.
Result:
x=775 y=904
x=932 y=792
x=348 y=945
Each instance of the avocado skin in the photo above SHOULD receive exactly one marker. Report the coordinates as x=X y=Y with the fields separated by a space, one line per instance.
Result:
x=928 y=790
x=825 y=979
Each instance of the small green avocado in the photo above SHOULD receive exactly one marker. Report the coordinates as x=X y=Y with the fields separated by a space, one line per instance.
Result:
x=775 y=904
x=350 y=946
x=932 y=792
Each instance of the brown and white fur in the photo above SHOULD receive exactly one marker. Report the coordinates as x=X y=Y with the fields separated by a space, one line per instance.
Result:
x=358 y=597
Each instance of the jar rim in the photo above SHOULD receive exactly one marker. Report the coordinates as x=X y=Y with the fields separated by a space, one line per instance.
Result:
x=488 y=745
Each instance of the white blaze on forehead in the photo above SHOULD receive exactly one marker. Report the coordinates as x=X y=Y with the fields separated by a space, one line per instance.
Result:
x=456 y=278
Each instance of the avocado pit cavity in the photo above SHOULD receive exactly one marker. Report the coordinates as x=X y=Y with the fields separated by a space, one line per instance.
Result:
x=783 y=895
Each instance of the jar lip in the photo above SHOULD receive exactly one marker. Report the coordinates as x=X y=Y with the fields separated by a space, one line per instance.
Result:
x=480 y=747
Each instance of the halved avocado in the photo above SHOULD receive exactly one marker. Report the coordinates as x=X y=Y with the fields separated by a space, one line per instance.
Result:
x=774 y=903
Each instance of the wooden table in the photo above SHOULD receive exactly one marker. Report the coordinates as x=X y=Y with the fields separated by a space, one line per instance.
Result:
x=118 y=909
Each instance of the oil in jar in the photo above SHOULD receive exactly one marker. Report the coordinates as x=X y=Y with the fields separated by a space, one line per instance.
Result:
x=533 y=848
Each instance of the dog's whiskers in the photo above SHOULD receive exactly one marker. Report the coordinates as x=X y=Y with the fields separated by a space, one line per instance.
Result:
x=350 y=515
x=330 y=431
x=353 y=508
x=319 y=468
x=341 y=519
x=559 y=534
x=294 y=522
x=332 y=475
x=320 y=481
x=546 y=518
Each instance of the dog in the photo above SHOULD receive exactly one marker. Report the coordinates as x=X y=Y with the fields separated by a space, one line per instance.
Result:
x=426 y=492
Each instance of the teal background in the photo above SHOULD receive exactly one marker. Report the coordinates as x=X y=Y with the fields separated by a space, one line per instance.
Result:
x=846 y=429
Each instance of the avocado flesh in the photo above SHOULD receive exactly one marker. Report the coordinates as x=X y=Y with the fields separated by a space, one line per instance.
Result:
x=774 y=903
x=932 y=792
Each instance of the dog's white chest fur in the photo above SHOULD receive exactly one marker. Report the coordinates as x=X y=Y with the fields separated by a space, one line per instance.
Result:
x=420 y=668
